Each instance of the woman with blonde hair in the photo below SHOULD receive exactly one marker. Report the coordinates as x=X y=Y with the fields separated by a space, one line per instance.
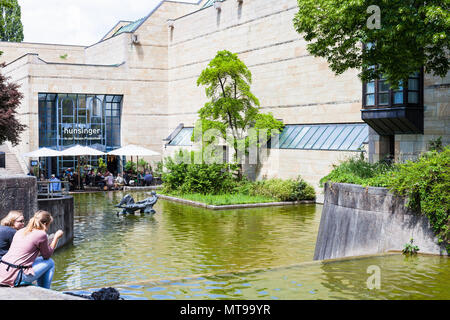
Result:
x=21 y=264
x=13 y=221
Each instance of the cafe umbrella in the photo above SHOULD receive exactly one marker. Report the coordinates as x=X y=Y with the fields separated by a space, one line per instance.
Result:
x=133 y=150
x=78 y=151
x=42 y=152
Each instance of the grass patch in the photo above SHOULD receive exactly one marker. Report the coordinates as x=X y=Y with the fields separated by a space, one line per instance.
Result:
x=222 y=199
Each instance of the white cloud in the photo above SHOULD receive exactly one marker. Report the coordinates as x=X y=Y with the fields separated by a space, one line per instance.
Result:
x=79 y=22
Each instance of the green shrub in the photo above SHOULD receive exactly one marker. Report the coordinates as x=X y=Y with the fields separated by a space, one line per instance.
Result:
x=208 y=179
x=284 y=190
x=174 y=172
x=102 y=167
x=359 y=171
x=426 y=184
x=410 y=248
x=181 y=175
x=130 y=166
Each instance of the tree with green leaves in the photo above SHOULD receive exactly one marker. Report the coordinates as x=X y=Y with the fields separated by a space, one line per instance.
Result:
x=232 y=108
x=409 y=35
x=10 y=96
x=11 y=28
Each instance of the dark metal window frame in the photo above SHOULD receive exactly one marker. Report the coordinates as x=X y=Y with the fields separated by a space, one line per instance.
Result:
x=392 y=92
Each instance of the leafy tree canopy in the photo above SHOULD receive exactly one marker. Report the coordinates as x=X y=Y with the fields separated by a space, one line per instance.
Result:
x=412 y=34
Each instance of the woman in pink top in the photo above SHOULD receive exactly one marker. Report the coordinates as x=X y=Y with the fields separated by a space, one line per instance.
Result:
x=21 y=264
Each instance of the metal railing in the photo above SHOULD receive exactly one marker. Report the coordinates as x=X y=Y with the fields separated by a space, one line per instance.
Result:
x=52 y=189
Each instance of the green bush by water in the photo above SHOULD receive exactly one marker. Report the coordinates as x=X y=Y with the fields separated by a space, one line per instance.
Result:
x=359 y=171
x=184 y=178
x=284 y=190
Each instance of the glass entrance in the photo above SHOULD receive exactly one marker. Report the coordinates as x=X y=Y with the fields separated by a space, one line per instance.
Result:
x=85 y=119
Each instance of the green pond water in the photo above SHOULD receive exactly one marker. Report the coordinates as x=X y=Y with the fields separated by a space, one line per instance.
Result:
x=185 y=252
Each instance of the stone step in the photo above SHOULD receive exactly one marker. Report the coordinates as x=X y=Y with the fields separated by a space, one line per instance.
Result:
x=12 y=163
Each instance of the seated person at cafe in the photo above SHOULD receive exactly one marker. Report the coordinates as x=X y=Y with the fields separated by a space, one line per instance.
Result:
x=119 y=182
x=55 y=186
x=126 y=178
x=148 y=178
x=140 y=178
x=109 y=181
x=90 y=177
x=99 y=180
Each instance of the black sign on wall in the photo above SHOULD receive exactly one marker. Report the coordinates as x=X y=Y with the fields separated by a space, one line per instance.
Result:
x=2 y=160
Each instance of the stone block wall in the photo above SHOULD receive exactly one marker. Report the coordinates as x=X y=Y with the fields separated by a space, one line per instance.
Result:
x=360 y=221
x=18 y=192
x=62 y=210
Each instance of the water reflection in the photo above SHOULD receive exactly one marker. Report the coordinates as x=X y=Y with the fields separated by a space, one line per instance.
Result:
x=179 y=241
x=402 y=278
x=187 y=252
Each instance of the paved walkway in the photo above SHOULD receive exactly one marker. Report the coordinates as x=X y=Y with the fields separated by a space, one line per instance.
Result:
x=33 y=293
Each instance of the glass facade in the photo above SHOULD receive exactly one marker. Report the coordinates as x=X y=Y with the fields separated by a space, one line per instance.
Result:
x=340 y=137
x=66 y=120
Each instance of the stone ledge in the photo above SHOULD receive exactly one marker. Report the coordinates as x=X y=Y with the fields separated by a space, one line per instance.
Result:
x=234 y=206
x=34 y=293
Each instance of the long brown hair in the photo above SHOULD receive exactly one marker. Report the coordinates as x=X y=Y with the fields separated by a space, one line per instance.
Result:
x=11 y=218
x=39 y=221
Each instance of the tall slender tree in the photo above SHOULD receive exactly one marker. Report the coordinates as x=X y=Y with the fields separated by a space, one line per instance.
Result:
x=232 y=108
x=11 y=28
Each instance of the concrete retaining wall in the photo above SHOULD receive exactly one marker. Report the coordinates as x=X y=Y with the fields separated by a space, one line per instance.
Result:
x=62 y=212
x=19 y=192
x=359 y=221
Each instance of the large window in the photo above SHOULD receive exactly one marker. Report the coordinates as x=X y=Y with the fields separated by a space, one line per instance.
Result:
x=339 y=137
x=86 y=119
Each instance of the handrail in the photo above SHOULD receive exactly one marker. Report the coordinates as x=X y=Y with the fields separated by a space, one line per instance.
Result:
x=47 y=188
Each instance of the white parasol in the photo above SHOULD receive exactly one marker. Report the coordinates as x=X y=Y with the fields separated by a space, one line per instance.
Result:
x=42 y=152
x=77 y=151
x=134 y=150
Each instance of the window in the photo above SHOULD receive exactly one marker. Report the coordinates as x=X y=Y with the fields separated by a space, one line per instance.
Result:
x=379 y=94
x=341 y=137
x=183 y=138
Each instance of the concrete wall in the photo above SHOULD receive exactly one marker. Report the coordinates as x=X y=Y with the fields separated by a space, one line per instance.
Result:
x=19 y=192
x=62 y=210
x=359 y=221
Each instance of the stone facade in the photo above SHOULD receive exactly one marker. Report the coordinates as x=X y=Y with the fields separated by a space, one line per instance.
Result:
x=156 y=68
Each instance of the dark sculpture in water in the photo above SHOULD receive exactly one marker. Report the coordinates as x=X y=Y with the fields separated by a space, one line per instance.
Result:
x=145 y=206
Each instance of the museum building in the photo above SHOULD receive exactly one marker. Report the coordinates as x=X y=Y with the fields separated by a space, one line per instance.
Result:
x=137 y=85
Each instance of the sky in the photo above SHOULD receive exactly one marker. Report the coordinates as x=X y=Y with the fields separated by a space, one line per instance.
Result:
x=78 y=22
